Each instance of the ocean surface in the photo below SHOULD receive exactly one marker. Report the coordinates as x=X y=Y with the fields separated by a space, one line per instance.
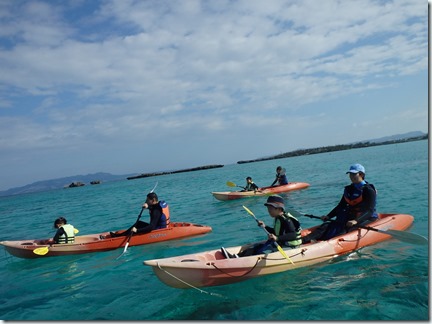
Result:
x=387 y=281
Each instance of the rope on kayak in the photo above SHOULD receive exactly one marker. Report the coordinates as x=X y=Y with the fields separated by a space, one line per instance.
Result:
x=188 y=284
x=293 y=255
x=258 y=259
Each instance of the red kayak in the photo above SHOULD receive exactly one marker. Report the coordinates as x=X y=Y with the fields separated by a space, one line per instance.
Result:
x=264 y=191
x=102 y=241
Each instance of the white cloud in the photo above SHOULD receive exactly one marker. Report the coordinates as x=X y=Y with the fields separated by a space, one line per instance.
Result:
x=82 y=74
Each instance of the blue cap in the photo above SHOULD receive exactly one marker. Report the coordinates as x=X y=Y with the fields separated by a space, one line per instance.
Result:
x=275 y=201
x=356 y=168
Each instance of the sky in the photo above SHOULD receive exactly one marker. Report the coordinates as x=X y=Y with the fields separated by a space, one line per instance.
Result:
x=128 y=86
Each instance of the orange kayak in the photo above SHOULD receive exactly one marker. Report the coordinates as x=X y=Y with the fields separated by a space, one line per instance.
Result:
x=103 y=242
x=264 y=191
x=211 y=268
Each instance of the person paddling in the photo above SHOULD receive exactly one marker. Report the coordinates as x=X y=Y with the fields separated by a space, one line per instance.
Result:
x=286 y=230
x=250 y=185
x=159 y=217
x=281 y=178
x=65 y=232
x=357 y=206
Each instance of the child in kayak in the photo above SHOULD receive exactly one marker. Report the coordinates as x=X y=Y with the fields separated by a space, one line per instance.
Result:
x=65 y=232
x=250 y=185
x=286 y=230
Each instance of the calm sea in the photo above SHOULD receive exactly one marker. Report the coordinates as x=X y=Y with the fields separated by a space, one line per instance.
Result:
x=388 y=281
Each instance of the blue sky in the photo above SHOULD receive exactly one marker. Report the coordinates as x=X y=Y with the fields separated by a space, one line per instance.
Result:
x=141 y=86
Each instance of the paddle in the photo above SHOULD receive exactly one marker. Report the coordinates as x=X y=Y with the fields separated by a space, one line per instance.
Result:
x=400 y=235
x=130 y=234
x=232 y=184
x=139 y=216
x=275 y=243
x=44 y=250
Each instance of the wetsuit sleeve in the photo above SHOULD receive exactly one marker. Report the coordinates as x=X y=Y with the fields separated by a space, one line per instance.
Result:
x=368 y=204
x=57 y=235
x=155 y=217
x=270 y=230
x=275 y=181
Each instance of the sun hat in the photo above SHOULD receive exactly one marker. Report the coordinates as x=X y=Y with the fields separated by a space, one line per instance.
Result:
x=275 y=201
x=356 y=168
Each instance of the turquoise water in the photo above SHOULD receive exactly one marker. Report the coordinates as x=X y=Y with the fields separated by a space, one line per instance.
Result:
x=388 y=281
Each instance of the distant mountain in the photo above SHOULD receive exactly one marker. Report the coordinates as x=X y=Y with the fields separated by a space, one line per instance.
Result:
x=394 y=137
x=63 y=182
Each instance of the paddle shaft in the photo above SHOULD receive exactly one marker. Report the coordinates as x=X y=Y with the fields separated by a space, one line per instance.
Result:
x=131 y=233
x=397 y=234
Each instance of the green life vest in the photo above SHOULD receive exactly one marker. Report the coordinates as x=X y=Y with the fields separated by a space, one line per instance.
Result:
x=281 y=228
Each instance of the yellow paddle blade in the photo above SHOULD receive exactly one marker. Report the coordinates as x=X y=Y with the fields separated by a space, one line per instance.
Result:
x=76 y=231
x=283 y=253
x=249 y=211
x=41 y=251
x=231 y=184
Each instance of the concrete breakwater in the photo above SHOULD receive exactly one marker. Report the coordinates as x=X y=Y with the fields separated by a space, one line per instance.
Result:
x=152 y=174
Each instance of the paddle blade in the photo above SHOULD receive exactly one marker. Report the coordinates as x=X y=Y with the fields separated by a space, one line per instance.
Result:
x=231 y=184
x=283 y=253
x=401 y=235
x=76 y=231
x=151 y=191
x=250 y=212
x=41 y=251
x=408 y=237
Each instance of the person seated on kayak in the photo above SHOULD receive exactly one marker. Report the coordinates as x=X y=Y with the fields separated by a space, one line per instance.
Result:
x=250 y=185
x=357 y=206
x=159 y=217
x=286 y=230
x=65 y=232
x=281 y=177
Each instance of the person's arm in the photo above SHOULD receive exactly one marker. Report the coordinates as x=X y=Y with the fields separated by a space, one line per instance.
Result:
x=57 y=235
x=155 y=216
x=277 y=178
x=335 y=211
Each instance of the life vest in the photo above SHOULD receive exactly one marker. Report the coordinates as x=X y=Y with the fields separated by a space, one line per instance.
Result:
x=353 y=196
x=250 y=186
x=70 y=234
x=165 y=218
x=280 y=227
x=282 y=179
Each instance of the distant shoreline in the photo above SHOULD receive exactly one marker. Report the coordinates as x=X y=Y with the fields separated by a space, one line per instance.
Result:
x=334 y=148
x=153 y=174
